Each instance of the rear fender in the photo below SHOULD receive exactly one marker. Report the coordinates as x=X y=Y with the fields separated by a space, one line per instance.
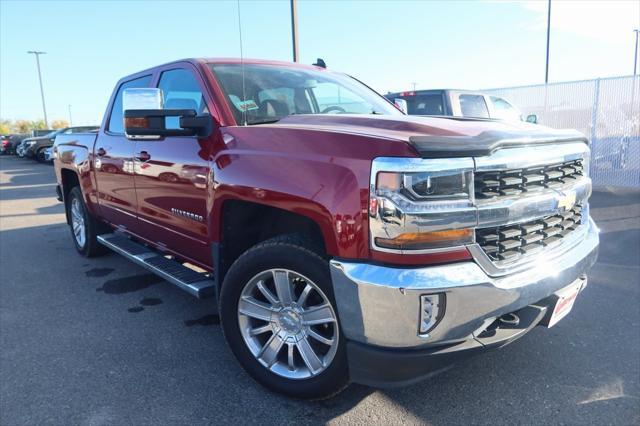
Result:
x=76 y=158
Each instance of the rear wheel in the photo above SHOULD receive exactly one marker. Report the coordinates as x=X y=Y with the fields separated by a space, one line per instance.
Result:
x=279 y=318
x=84 y=227
x=40 y=155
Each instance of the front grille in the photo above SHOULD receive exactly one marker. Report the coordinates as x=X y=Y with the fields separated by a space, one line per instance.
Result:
x=509 y=243
x=517 y=181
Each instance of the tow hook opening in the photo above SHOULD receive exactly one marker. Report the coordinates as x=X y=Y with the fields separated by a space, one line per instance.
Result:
x=510 y=319
x=511 y=326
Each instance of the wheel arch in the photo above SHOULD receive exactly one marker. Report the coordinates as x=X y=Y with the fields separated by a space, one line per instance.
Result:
x=245 y=223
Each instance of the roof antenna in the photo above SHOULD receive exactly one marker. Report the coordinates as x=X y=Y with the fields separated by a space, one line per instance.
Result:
x=320 y=63
x=243 y=106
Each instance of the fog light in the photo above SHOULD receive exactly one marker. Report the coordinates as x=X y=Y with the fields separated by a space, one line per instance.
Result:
x=431 y=311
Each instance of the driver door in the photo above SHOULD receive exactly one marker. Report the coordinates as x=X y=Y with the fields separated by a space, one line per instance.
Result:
x=172 y=175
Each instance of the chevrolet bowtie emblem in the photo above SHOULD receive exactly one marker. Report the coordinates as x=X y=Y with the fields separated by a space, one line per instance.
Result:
x=567 y=201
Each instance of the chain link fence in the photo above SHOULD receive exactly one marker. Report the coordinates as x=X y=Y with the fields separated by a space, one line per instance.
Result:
x=607 y=110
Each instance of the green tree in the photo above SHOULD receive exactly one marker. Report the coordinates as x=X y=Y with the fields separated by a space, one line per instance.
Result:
x=6 y=127
x=22 y=126
x=59 y=124
x=38 y=125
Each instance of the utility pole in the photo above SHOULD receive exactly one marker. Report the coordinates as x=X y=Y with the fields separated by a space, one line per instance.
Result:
x=44 y=108
x=414 y=86
x=294 y=30
x=635 y=54
x=70 y=121
x=546 y=72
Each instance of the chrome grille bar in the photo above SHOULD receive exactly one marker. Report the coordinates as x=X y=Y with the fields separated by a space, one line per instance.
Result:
x=519 y=181
x=509 y=243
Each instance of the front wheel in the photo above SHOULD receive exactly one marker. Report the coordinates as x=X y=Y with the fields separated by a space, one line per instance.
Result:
x=279 y=318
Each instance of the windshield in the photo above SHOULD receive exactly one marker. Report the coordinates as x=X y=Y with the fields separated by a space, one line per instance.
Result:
x=53 y=134
x=272 y=92
x=504 y=110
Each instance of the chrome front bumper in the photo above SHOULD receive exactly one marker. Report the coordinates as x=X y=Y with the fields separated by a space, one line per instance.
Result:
x=380 y=305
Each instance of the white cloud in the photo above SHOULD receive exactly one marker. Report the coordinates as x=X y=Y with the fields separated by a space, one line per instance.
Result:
x=609 y=20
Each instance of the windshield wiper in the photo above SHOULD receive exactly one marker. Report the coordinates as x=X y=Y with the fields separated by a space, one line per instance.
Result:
x=265 y=121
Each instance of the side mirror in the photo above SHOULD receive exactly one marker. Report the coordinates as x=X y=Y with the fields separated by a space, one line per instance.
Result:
x=146 y=118
x=532 y=118
x=401 y=104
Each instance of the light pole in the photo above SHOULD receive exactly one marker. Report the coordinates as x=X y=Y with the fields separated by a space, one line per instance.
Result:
x=294 y=29
x=635 y=53
x=70 y=121
x=546 y=72
x=414 y=86
x=44 y=108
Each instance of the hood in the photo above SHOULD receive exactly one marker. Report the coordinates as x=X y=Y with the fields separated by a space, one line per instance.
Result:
x=437 y=136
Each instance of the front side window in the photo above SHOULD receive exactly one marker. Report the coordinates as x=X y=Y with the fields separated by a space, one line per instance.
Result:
x=473 y=106
x=116 y=124
x=267 y=93
x=504 y=110
x=181 y=91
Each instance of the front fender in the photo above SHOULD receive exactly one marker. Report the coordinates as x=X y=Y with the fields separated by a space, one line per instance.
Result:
x=327 y=190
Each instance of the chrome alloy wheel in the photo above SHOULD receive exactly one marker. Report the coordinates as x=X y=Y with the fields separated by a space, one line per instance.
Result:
x=288 y=324
x=77 y=222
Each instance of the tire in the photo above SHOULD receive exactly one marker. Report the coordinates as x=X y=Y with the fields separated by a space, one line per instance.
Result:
x=39 y=157
x=291 y=373
x=84 y=227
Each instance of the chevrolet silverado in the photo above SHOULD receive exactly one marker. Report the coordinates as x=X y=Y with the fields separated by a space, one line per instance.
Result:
x=338 y=239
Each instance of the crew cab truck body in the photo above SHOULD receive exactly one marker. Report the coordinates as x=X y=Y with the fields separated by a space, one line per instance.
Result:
x=341 y=240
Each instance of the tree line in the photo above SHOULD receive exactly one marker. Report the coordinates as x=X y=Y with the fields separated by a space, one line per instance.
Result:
x=27 y=126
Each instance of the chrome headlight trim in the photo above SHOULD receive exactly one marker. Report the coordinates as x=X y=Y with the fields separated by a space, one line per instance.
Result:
x=396 y=213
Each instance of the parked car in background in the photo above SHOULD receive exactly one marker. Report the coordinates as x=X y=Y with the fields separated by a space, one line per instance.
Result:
x=34 y=147
x=342 y=240
x=20 y=147
x=14 y=141
x=458 y=103
x=48 y=154
x=36 y=133
x=4 y=144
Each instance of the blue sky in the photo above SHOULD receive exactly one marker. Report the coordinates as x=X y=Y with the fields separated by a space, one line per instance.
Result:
x=387 y=44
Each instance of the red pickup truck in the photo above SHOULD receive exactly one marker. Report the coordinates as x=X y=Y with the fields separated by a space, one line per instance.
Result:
x=339 y=239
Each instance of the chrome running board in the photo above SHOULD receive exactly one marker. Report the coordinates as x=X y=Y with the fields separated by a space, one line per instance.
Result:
x=195 y=283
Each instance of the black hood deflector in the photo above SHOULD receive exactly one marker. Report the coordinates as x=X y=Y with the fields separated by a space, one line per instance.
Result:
x=488 y=142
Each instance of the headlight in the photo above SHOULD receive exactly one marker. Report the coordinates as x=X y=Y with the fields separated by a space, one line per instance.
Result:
x=428 y=186
x=421 y=204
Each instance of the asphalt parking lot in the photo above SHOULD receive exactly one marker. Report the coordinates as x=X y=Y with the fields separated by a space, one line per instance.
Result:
x=101 y=341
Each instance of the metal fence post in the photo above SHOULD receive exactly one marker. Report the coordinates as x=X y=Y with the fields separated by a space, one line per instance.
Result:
x=594 y=112
x=594 y=124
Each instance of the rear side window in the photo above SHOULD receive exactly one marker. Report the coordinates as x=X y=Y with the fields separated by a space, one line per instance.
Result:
x=427 y=105
x=473 y=106
x=115 y=120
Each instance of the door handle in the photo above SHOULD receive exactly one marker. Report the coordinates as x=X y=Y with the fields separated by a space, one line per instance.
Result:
x=101 y=152
x=143 y=156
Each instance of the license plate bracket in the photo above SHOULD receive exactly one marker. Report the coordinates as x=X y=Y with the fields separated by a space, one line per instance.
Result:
x=561 y=302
